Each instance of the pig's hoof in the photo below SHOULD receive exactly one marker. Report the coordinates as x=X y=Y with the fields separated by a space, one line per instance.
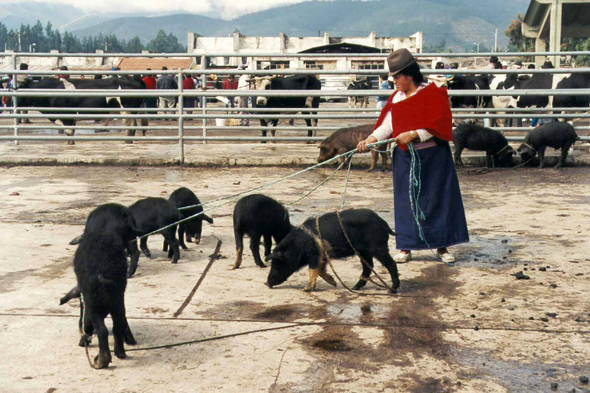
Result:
x=184 y=247
x=120 y=354
x=261 y=265
x=308 y=289
x=101 y=362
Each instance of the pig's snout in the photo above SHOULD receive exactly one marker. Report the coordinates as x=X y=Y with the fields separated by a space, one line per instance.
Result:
x=268 y=285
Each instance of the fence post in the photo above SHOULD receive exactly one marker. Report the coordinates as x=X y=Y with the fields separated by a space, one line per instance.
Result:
x=204 y=98
x=14 y=98
x=180 y=117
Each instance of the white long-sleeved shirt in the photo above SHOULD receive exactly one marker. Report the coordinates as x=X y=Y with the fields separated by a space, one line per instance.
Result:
x=385 y=130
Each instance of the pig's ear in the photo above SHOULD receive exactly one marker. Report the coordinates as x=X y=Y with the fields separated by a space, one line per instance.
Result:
x=275 y=255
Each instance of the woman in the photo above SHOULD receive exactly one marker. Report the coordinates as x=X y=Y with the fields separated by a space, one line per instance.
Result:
x=419 y=114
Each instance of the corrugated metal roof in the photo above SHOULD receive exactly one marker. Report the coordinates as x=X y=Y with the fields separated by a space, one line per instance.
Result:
x=138 y=63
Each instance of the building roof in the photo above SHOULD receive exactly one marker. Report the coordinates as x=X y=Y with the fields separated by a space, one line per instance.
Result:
x=139 y=63
x=574 y=22
x=342 y=47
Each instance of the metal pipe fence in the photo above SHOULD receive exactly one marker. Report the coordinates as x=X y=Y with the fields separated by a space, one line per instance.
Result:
x=182 y=114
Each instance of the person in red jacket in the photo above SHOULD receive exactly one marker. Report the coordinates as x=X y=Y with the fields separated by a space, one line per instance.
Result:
x=230 y=84
x=150 y=84
x=188 y=83
x=425 y=185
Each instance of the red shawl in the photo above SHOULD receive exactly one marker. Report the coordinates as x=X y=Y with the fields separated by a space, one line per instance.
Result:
x=428 y=109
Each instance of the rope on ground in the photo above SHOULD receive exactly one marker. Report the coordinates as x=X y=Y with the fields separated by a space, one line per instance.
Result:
x=188 y=299
x=212 y=338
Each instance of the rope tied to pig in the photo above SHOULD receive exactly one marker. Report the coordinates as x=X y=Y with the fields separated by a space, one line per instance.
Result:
x=83 y=334
x=324 y=248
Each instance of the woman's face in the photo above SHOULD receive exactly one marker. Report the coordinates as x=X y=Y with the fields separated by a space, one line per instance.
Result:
x=403 y=82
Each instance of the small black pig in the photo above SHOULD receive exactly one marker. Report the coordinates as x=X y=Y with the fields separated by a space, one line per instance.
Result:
x=368 y=233
x=112 y=217
x=557 y=135
x=193 y=228
x=259 y=216
x=346 y=139
x=155 y=213
x=100 y=264
x=475 y=137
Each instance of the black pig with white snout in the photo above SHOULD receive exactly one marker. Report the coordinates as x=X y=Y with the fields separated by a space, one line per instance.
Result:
x=306 y=245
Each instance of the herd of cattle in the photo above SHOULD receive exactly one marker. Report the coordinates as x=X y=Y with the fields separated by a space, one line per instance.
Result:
x=346 y=139
x=111 y=232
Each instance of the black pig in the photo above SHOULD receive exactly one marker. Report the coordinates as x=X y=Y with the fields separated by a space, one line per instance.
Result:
x=557 y=135
x=184 y=197
x=112 y=217
x=155 y=213
x=368 y=233
x=100 y=264
x=259 y=216
x=346 y=139
x=475 y=137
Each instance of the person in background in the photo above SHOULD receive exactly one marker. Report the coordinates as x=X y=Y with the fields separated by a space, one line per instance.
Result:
x=20 y=79
x=230 y=84
x=419 y=114
x=243 y=85
x=188 y=83
x=166 y=82
x=63 y=76
x=150 y=84
x=383 y=85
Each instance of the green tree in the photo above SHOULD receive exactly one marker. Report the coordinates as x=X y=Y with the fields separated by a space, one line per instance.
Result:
x=517 y=42
x=134 y=45
x=163 y=43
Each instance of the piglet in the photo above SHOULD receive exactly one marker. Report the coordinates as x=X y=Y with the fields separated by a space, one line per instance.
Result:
x=259 y=216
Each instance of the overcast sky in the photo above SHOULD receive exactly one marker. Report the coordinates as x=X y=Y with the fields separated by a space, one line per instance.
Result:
x=226 y=8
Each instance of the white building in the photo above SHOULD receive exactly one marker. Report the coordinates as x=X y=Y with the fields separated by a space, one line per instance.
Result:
x=249 y=47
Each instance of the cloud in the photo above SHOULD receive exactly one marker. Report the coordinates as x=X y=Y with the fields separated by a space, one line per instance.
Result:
x=225 y=8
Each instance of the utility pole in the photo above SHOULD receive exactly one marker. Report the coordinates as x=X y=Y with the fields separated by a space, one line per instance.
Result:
x=19 y=43
x=496 y=40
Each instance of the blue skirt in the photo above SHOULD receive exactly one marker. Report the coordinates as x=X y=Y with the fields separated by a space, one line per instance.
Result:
x=440 y=200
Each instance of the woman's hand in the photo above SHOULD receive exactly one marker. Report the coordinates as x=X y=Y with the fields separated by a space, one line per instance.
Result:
x=362 y=146
x=406 y=137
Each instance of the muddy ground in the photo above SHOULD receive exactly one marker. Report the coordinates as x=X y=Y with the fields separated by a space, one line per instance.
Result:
x=469 y=328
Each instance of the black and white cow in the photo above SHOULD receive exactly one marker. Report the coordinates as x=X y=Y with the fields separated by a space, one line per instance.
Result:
x=358 y=85
x=298 y=82
x=540 y=81
x=117 y=83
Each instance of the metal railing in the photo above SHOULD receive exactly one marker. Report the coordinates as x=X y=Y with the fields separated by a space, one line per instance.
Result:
x=182 y=114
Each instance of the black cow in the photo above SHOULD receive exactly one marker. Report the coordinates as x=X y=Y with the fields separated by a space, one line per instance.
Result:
x=121 y=83
x=476 y=82
x=358 y=85
x=299 y=82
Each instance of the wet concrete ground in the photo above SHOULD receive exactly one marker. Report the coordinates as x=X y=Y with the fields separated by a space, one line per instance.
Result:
x=469 y=328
